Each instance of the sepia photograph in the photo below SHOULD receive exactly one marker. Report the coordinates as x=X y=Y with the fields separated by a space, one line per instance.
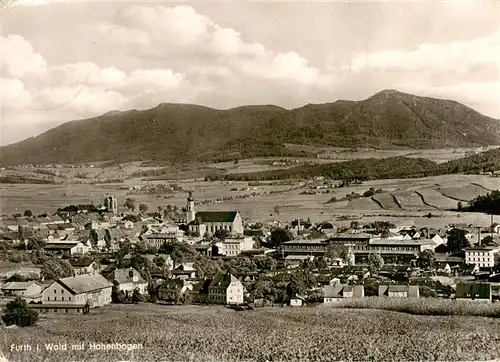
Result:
x=240 y=181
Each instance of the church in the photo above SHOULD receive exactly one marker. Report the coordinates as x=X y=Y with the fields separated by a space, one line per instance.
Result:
x=202 y=222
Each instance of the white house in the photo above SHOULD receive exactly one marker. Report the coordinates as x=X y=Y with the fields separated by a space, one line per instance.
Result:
x=234 y=246
x=21 y=288
x=91 y=289
x=225 y=289
x=338 y=292
x=482 y=256
x=128 y=280
x=66 y=248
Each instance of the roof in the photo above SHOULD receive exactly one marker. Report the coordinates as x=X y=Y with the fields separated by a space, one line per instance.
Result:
x=58 y=246
x=216 y=216
x=305 y=241
x=17 y=285
x=222 y=280
x=298 y=257
x=84 y=283
x=338 y=290
x=80 y=263
x=56 y=306
x=122 y=276
x=487 y=248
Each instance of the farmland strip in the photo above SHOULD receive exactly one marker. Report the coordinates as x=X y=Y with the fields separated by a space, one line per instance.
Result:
x=423 y=200
x=378 y=202
x=396 y=201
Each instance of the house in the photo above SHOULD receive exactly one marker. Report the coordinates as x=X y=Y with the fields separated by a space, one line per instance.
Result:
x=225 y=289
x=128 y=280
x=314 y=247
x=482 y=256
x=398 y=291
x=157 y=240
x=337 y=292
x=210 y=221
x=86 y=266
x=477 y=292
x=178 y=286
x=393 y=251
x=234 y=246
x=184 y=272
x=293 y=261
x=297 y=302
x=21 y=288
x=77 y=294
x=66 y=249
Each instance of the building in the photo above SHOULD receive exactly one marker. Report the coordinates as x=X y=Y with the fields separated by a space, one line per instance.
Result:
x=337 y=292
x=297 y=302
x=111 y=204
x=173 y=287
x=202 y=222
x=234 y=246
x=84 y=266
x=351 y=238
x=398 y=291
x=304 y=247
x=91 y=290
x=128 y=280
x=392 y=251
x=225 y=289
x=157 y=240
x=477 y=292
x=21 y=288
x=66 y=249
x=482 y=256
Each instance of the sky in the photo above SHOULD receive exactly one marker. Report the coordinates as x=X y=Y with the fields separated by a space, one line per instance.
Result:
x=67 y=60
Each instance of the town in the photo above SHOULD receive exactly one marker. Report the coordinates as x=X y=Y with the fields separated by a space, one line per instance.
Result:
x=82 y=257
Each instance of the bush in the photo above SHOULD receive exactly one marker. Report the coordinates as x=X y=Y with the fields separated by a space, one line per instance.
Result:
x=18 y=313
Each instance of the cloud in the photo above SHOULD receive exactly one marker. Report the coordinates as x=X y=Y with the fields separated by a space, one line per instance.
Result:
x=443 y=57
x=181 y=34
x=19 y=59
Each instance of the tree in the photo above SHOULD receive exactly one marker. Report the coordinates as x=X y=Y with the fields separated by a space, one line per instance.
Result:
x=18 y=313
x=222 y=234
x=17 y=278
x=355 y=224
x=94 y=237
x=280 y=236
x=136 y=296
x=130 y=204
x=143 y=208
x=159 y=261
x=375 y=263
x=457 y=240
x=334 y=251
x=276 y=210
x=459 y=206
x=117 y=296
x=55 y=268
x=426 y=259
x=236 y=162
x=28 y=213
x=488 y=241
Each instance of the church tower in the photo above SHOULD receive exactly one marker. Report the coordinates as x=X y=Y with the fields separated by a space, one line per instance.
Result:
x=190 y=213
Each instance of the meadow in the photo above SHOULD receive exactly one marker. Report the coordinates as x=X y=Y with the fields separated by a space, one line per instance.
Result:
x=272 y=334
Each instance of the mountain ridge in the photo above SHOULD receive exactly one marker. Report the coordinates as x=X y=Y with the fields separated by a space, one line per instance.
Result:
x=177 y=132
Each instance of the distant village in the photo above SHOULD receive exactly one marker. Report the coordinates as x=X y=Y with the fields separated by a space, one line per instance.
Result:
x=82 y=257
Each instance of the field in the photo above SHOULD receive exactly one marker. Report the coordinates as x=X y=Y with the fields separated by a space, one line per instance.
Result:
x=218 y=334
x=259 y=202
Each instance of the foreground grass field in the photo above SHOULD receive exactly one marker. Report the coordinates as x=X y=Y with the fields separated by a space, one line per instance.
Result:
x=219 y=334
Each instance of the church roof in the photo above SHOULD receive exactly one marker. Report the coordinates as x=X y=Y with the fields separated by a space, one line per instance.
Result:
x=216 y=216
